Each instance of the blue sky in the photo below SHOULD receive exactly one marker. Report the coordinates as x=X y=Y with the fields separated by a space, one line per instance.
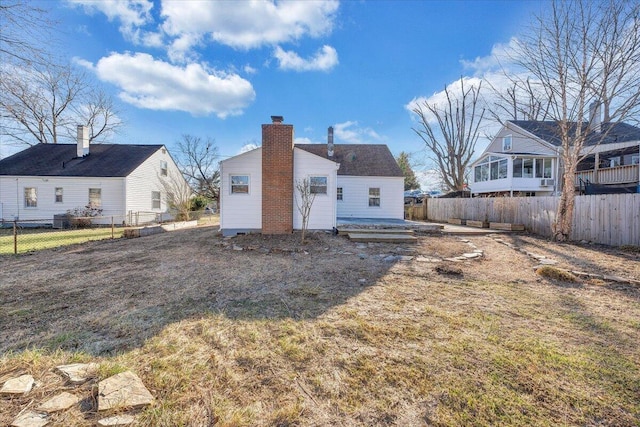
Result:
x=221 y=69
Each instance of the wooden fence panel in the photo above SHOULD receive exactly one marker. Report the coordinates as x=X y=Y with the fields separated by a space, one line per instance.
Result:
x=610 y=219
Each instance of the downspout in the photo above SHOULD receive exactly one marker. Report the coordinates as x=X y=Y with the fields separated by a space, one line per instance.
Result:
x=511 y=180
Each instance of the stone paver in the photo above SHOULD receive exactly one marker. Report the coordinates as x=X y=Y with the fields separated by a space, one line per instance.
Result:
x=31 y=419
x=78 y=373
x=60 y=402
x=123 y=390
x=19 y=385
x=117 y=420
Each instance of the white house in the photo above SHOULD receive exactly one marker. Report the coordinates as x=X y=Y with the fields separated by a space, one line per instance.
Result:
x=258 y=188
x=524 y=160
x=122 y=180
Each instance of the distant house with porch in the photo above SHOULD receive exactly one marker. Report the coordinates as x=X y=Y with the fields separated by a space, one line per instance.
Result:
x=524 y=159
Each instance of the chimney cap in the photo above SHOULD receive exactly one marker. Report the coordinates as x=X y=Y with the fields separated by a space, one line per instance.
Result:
x=277 y=119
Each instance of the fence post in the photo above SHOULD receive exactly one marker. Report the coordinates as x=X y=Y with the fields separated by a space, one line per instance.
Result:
x=112 y=235
x=15 y=237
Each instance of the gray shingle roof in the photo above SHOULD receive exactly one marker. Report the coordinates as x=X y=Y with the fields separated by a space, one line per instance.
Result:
x=104 y=160
x=358 y=159
x=611 y=132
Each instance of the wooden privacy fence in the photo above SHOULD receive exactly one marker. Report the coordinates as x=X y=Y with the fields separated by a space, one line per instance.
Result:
x=610 y=219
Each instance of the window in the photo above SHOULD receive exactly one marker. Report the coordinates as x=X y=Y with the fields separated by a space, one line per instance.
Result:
x=95 y=197
x=546 y=168
x=239 y=184
x=58 y=194
x=614 y=161
x=155 y=200
x=30 y=197
x=339 y=193
x=318 y=184
x=517 y=168
x=506 y=143
x=374 y=197
x=163 y=168
x=491 y=168
x=635 y=159
x=527 y=168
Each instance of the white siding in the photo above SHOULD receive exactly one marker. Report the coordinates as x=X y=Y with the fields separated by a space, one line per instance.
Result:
x=147 y=178
x=75 y=195
x=323 y=210
x=521 y=142
x=355 y=203
x=241 y=211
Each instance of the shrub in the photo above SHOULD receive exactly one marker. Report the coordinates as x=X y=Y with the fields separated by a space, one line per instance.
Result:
x=80 y=217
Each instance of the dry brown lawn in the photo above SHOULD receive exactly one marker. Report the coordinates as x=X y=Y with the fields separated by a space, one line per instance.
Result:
x=327 y=333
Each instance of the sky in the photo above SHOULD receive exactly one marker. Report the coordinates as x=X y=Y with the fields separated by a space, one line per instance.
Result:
x=220 y=69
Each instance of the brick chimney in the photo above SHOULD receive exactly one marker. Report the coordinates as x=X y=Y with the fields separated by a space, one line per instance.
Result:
x=83 y=141
x=277 y=177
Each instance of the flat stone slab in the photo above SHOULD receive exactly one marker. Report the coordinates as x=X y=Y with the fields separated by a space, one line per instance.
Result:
x=382 y=238
x=343 y=231
x=19 y=385
x=118 y=420
x=428 y=259
x=31 y=419
x=78 y=373
x=124 y=390
x=60 y=402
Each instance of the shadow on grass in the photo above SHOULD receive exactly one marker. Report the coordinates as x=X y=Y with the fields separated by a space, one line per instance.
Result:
x=106 y=297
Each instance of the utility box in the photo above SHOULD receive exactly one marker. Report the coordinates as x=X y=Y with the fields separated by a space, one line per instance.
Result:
x=61 y=221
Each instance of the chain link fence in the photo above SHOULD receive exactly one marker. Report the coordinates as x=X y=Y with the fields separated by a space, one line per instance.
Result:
x=21 y=236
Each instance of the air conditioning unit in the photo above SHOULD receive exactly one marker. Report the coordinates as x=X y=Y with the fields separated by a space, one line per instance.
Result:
x=543 y=182
x=547 y=182
x=550 y=181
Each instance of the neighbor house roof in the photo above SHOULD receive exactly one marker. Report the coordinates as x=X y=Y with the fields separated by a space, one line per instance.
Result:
x=610 y=133
x=103 y=160
x=358 y=159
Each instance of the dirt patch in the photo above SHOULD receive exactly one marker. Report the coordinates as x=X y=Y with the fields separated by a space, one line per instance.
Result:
x=263 y=330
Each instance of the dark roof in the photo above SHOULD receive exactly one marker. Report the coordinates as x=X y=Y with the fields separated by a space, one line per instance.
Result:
x=107 y=160
x=610 y=132
x=358 y=159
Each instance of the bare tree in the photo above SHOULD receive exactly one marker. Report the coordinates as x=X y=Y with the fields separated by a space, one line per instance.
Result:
x=198 y=162
x=304 y=202
x=520 y=100
x=25 y=33
x=177 y=194
x=45 y=105
x=581 y=53
x=453 y=136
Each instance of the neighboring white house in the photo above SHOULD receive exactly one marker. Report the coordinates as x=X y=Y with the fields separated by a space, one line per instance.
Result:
x=258 y=188
x=122 y=180
x=524 y=160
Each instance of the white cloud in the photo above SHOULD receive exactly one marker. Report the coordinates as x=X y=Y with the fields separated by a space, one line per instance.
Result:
x=324 y=60
x=249 y=69
x=305 y=140
x=153 y=84
x=501 y=56
x=132 y=14
x=246 y=24
x=349 y=132
x=440 y=98
x=248 y=147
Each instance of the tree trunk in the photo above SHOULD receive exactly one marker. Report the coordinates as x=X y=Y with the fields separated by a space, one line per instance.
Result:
x=564 y=216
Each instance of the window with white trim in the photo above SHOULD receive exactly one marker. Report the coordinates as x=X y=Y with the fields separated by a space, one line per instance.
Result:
x=339 y=193
x=163 y=168
x=58 y=195
x=155 y=200
x=374 y=197
x=239 y=184
x=95 y=197
x=506 y=143
x=491 y=168
x=30 y=197
x=318 y=184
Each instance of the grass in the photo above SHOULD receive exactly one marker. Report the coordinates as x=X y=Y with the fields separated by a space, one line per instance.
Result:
x=416 y=347
x=41 y=238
